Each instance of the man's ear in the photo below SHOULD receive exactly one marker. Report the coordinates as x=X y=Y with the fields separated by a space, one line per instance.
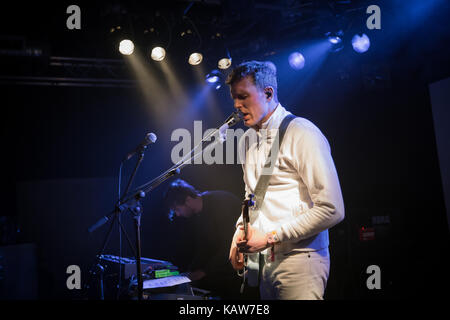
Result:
x=268 y=91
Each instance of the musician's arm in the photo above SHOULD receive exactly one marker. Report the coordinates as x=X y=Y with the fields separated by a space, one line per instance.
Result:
x=312 y=158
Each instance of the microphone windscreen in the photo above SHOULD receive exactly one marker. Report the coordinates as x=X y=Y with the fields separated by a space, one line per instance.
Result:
x=234 y=118
x=151 y=137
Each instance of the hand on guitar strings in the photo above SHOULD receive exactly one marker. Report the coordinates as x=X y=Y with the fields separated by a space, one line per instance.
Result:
x=256 y=240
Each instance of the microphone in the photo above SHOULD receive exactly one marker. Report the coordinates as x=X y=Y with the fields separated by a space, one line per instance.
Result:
x=234 y=118
x=149 y=138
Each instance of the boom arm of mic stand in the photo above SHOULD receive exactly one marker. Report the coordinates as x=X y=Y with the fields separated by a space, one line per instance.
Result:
x=234 y=118
x=169 y=173
x=149 y=186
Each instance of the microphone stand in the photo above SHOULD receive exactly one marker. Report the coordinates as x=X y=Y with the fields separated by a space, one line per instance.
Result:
x=120 y=207
x=136 y=210
x=146 y=188
x=233 y=119
x=141 y=191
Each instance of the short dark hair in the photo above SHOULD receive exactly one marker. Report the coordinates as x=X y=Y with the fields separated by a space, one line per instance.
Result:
x=263 y=74
x=177 y=193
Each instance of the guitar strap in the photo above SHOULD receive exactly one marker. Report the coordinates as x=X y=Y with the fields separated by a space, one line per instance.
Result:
x=263 y=180
x=254 y=260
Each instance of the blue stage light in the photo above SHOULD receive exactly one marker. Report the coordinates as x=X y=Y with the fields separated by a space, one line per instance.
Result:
x=212 y=79
x=296 y=60
x=361 y=43
x=334 y=39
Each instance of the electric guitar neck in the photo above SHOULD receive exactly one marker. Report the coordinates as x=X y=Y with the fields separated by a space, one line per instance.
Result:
x=249 y=202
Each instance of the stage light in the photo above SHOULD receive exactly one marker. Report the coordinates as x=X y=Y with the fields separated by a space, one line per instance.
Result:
x=213 y=77
x=334 y=39
x=158 y=53
x=361 y=43
x=224 y=63
x=126 y=47
x=296 y=60
x=195 y=58
x=218 y=51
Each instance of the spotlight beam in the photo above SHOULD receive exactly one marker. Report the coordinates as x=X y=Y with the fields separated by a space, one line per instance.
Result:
x=154 y=95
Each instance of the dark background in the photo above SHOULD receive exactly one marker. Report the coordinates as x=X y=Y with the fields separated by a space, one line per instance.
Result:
x=63 y=140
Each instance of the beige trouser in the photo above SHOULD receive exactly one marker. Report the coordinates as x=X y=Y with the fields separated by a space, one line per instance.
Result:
x=295 y=276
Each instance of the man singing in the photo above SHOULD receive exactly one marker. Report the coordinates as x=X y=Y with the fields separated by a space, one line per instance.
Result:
x=287 y=240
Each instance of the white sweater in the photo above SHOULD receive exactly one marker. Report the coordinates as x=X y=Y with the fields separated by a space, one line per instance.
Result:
x=303 y=199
